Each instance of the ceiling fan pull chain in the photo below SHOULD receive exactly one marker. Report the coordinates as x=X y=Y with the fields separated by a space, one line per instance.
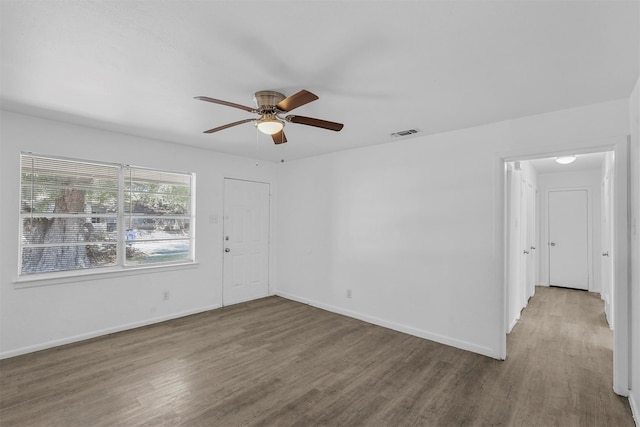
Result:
x=257 y=142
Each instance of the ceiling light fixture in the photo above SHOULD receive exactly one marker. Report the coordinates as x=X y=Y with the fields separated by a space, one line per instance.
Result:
x=269 y=124
x=565 y=160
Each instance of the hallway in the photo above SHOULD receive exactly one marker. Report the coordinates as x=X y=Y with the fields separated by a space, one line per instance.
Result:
x=561 y=351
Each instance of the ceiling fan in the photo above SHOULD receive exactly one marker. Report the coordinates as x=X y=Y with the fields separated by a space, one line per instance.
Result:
x=271 y=106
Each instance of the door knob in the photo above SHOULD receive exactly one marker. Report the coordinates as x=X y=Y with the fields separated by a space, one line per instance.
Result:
x=552 y=244
x=533 y=248
x=526 y=252
x=605 y=254
x=227 y=250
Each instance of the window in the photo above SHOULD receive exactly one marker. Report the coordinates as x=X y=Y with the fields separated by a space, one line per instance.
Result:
x=157 y=215
x=77 y=215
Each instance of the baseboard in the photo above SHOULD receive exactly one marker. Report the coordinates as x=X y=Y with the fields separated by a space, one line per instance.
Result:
x=241 y=300
x=513 y=324
x=607 y=310
x=442 y=339
x=635 y=409
x=107 y=331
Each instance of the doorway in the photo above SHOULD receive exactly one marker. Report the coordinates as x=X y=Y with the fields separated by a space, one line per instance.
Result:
x=617 y=154
x=246 y=241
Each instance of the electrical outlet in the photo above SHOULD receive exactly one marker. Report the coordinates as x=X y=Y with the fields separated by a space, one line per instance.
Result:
x=348 y=293
x=165 y=295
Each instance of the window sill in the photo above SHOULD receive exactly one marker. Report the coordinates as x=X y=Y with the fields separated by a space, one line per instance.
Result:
x=47 y=279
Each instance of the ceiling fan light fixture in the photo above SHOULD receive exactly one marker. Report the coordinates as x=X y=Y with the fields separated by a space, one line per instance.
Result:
x=270 y=125
x=565 y=160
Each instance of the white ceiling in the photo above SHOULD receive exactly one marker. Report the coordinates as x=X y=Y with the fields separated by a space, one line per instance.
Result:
x=377 y=66
x=587 y=161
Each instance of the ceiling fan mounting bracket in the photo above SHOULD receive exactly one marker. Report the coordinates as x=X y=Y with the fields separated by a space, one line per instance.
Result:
x=266 y=100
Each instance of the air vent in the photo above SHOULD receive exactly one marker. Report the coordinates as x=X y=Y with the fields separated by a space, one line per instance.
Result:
x=405 y=132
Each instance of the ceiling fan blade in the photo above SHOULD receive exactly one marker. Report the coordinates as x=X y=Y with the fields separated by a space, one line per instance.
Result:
x=228 y=104
x=228 y=125
x=310 y=121
x=279 y=137
x=296 y=100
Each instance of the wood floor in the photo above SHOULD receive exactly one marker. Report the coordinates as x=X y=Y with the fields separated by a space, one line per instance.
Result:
x=281 y=363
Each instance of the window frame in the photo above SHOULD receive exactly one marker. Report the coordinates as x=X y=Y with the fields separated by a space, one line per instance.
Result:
x=121 y=266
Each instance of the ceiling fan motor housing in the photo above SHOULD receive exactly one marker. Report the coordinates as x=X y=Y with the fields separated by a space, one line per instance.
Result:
x=267 y=99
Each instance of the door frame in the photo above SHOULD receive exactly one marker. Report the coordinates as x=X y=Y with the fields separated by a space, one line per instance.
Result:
x=621 y=241
x=270 y=240
x=589 y=232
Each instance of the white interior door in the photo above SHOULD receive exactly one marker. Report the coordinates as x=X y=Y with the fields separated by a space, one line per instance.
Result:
x=531 y=241
x=568 y=239
x=525 y=253
x=520 y=264
x=607 y=252
x=246 y=241
x=514 y=246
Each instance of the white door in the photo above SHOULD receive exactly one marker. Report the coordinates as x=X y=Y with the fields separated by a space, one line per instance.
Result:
x=246 y=241
x=531 y=241
x=514 y=246
x=568 y=239
x=525 y=253
x=607 y=253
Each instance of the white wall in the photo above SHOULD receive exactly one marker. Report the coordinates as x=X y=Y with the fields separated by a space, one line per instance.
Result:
x=38 y=317
x=634 y=109
x=410 y=226
x=590 y=179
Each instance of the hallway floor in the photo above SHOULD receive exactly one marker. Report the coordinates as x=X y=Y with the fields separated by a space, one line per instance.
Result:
x=561 y=352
